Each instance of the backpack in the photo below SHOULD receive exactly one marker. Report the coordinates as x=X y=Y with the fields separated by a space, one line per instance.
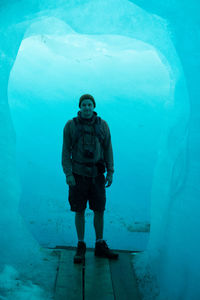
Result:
x=98 y=133
x=97 y=130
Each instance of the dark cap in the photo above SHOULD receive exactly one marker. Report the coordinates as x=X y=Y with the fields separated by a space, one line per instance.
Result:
x=87 y=96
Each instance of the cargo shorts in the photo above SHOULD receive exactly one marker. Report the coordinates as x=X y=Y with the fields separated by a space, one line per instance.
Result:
x=87 y=190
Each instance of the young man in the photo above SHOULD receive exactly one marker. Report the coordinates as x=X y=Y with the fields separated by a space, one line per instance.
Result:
x=86 y=155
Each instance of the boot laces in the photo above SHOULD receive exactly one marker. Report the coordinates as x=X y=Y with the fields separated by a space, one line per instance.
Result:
x=105 y=244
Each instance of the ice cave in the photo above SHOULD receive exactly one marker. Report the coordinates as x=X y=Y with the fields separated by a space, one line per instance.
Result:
x=140 y=60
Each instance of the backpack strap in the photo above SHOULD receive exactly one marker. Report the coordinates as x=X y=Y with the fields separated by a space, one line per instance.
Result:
x=79 y=130
x=97 y=129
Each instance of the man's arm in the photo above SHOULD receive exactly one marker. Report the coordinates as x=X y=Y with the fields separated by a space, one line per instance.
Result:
x=108 y=152
x=67 y=150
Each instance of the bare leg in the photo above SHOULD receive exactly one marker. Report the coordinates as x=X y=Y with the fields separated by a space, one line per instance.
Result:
x=98 y=224
x=80 y=224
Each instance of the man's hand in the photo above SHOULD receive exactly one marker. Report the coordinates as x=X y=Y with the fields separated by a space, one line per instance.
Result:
x=71 y=180
x=109 y=179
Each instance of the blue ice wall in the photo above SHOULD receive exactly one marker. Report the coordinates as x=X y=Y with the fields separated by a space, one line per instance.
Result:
x=177 y=243
x=154 y=47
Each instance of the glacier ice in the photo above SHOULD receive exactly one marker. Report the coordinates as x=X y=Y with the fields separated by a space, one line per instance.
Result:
x=168 y=171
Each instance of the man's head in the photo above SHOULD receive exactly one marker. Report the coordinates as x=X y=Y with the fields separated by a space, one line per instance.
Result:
x=87 y=105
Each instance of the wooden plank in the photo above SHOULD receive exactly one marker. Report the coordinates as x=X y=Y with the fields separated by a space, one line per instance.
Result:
x=69 y=279
x=123 y=278
x=98 y=284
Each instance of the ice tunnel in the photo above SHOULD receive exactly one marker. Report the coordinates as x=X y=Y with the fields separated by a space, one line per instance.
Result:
x=140 y=61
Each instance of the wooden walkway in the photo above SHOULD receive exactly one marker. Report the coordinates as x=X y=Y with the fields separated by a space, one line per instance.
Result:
x=98 y=278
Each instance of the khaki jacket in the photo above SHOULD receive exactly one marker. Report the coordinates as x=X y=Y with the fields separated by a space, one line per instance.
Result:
x=73 y=159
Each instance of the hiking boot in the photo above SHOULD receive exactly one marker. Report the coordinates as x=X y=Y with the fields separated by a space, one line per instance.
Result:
x=102 y=250
x=79 y=257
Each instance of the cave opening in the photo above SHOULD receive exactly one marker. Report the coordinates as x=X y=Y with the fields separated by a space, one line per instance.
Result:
x=131 y=85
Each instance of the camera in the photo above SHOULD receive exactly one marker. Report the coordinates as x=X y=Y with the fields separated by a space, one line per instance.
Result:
x=88 y=154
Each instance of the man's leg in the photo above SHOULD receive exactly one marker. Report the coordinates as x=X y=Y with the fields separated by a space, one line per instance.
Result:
x=80 y=225
x=98 y=224
x=101 y=247
x=80 y=228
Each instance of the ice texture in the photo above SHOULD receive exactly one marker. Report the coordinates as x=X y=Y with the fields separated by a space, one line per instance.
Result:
x=140 y=60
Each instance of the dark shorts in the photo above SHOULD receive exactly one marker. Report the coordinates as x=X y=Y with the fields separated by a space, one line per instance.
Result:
x=85 y=190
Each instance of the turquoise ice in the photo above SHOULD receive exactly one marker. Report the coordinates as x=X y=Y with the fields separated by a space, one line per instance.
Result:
x=140 y=60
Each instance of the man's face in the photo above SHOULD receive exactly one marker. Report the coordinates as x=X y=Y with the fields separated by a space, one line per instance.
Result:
x=87 y=108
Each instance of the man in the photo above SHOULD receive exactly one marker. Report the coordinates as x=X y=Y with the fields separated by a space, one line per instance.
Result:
x=86 y=155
